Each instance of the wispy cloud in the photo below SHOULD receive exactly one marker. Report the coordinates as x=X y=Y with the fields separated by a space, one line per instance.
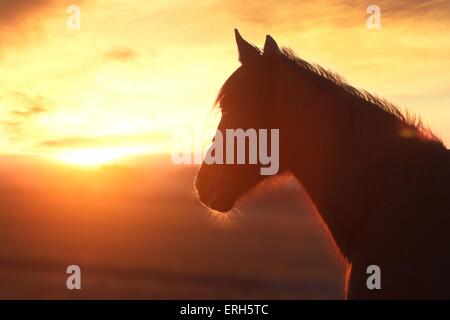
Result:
x=25 y=108
x=122 y=54
x=15 y=12
x=32 y=105
x=22 y=21
x=105 y=141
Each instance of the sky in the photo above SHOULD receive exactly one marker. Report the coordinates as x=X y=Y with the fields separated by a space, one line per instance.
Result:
x=138 y=72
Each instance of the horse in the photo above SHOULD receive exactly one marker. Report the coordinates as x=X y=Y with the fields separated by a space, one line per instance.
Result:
x=379 y=179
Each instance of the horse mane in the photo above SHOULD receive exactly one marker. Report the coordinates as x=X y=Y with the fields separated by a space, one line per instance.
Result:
x=331 y=79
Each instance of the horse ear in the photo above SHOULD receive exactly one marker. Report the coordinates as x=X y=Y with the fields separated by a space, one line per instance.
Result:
x=247 y=52
x=271 y=47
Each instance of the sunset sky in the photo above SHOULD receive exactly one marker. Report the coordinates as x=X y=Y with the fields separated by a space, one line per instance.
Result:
x=137 y=70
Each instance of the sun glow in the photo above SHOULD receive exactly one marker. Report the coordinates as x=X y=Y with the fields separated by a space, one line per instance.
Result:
x=98 y=156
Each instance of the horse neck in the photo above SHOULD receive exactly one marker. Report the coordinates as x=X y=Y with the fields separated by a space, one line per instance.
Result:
x=346 y=153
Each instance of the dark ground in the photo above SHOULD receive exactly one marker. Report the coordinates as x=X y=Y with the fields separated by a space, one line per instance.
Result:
x=138 y=232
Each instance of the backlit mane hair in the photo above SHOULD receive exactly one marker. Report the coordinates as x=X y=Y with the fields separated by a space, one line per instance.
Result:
x=331 y=79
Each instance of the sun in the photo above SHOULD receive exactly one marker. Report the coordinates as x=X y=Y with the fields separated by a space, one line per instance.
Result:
x=98 y=156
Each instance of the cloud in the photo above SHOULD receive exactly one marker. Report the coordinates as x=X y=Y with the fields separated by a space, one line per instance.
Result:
x=425 y=9
x=104 y=141
x=15 y=12
x=22 y=20
x=32 y=105
x=67 y=142
x=28 y=107
x=123 y=54
x=338 y=13
x=28 y=112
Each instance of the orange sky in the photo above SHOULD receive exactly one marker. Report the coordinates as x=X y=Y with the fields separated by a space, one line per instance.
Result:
x=138 y=69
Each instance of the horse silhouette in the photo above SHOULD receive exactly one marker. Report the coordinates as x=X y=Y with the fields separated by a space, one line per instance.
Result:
x=379 y=179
